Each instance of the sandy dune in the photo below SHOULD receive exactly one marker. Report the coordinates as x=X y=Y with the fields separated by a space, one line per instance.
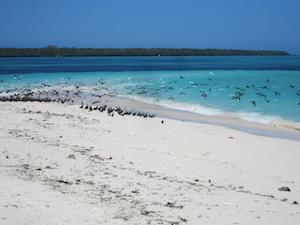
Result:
x=63 y=165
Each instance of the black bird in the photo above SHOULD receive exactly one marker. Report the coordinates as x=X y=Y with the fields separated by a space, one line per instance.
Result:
x=194 y=84
x=276 y=93
x=292 y=86
x=267 y=100
x=204 y=94
x=238 y=88
x=259 y=94
x=265 y=87
x=298 y=92
x=267 y=80
x=234 y=97
x=45 y=85
x=181 y=93
x=181 y=77
x=238 y=93
x=253 y=103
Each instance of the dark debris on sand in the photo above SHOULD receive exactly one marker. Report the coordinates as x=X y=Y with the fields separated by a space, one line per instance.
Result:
x=284 y=188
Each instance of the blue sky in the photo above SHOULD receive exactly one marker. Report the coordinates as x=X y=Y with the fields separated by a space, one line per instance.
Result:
x=239 y=24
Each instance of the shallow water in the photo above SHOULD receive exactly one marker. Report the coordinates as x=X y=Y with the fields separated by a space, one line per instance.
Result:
x=260 y=89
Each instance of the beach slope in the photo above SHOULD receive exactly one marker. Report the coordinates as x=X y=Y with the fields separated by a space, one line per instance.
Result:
x=60 y=164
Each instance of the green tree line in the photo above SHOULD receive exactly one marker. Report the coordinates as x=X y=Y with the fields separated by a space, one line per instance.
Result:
x=53 y=51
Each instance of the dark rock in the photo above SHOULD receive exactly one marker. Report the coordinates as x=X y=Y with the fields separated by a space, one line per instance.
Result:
x=284 y=188
x=63 y=181
x=146 y=212
x=173 y=205
x=26 y=166
x=170 y=204
x=71 y=156
x=135 y=191
x=183 y=219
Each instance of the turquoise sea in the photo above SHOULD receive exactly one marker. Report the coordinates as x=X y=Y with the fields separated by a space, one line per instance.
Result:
x=260 y=89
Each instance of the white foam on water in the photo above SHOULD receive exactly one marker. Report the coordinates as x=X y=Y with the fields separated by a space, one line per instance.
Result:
x=209 y=111
x=192 y=108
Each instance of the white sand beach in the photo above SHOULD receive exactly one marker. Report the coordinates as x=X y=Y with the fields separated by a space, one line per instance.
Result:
x=60 y=164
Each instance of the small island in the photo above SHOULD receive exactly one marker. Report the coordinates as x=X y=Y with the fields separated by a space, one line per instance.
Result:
x=53 y=51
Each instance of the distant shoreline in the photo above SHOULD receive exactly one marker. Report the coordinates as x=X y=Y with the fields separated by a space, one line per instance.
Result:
x=52 y=51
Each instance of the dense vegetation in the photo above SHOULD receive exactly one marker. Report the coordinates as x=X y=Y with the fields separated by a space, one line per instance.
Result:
x=55 y=52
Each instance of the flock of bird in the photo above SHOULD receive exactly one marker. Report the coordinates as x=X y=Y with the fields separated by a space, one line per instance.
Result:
x=266 y=92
